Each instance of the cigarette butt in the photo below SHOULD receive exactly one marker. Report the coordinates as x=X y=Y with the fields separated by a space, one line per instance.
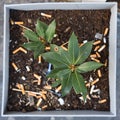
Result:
x=99 y=73
x=105 y=63
x=14 y=65
x=64 y=48
x=95 y=81
x=19 y=23
x=102 y=101
x=96 y=48
x=39 y=81
x=88 y=97
x=43 y=96
x=22 y=88
x=37 y=76
x=18 y=86
x=23 y=50
x=39 y=59
x=106 y=31
x=92 y=88
x=102 y=48
x=31 y=94
x=58 y=88
x=96 y=60
x=88 y=85
x=64 y=43
x=24 y=28
x=93 y=56
x=46 y=15
x=45 y=106
x=97 y=42
x=48 y=87
x=12 y=22
x=47 y=48
x=38 y=96
x=34 y=81
x=43 y=92
x=95 y=96
x=98 y=55
x=39 y=102
x=81 y=44
x=15 y=51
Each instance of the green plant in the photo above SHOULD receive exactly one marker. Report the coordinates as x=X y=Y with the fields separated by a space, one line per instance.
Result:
x=41 y=38
x=69 y=65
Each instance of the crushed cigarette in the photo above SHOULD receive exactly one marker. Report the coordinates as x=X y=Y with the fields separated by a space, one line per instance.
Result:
x=95 y=81
x=102 y=101
x=88 y=97
x=58 y=88
x=102 y=48
x=88 y=85
x=43 y=92
x=44 y=107
x=37 y=76
x=27 y=68
x=96 y=48
x=98 y=36
x=43 y=96
x=99 y=73
x=18 y=86
x=92 y=88
x=96 y=60
x=34 y=81
x=46 y=15
x=39 y=102
x=97 y=42
x=48 y=87
x=93 y=56
x=98 y=55
x=61 y=101
x=14 y=66
x=23 y=50
x=23 y=78
x=106 y=31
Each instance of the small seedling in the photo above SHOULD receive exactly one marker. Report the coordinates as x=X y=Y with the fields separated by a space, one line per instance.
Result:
x=41 y=38
x=70 y=65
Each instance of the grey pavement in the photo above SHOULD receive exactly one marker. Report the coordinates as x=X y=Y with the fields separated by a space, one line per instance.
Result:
x=2 y=2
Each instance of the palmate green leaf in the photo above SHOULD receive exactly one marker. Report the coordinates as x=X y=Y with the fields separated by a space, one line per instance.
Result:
x=31 y=45
x=66 y=84
x=50 y=31
x=88 y=66
x=84 y=52
x=73 y=47
x=39 y=50
x=54 y=58
x=41 y=27
x=29 y=34
x=79 y=84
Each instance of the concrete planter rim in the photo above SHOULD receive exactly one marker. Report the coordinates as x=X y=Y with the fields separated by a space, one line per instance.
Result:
x=112 y=57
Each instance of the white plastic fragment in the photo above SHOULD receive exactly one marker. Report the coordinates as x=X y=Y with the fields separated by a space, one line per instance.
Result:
x=104 y=39
x=85 y=41
x=27 y=68
x=96 y=90
x=23 y=78
x=61 y=101
x=92 y=88
x=91 y=79
x=98 y=36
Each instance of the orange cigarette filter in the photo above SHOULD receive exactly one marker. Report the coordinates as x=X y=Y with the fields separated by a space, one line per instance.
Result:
x=39 y=59
x=48 y=87
x=22 y=88
x=95 y=81
x=39 y=81
x=97 y=42
x=96 y=60
x=18 y=22
x=39 y=102
x=102 y=101
x=16 y=50
x=45 y=106
x=96 y=48
x=23 y=50
x=43 y=92
x=93 y=56
x=14 y=66
x=47 y=48
x=37 y=76
x=58 y=88
x=106 y=31
x=99 y=73
x=64 y=48
x=98 y=55
x=43 y=96
x=31 y=94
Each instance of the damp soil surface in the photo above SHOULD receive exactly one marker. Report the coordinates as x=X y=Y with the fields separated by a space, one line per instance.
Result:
x=85 y=24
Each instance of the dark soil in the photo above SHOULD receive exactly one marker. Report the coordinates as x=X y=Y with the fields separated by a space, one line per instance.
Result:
x=85 y=24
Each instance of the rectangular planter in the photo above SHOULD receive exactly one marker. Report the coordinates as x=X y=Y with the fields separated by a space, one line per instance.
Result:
x=112 y=57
